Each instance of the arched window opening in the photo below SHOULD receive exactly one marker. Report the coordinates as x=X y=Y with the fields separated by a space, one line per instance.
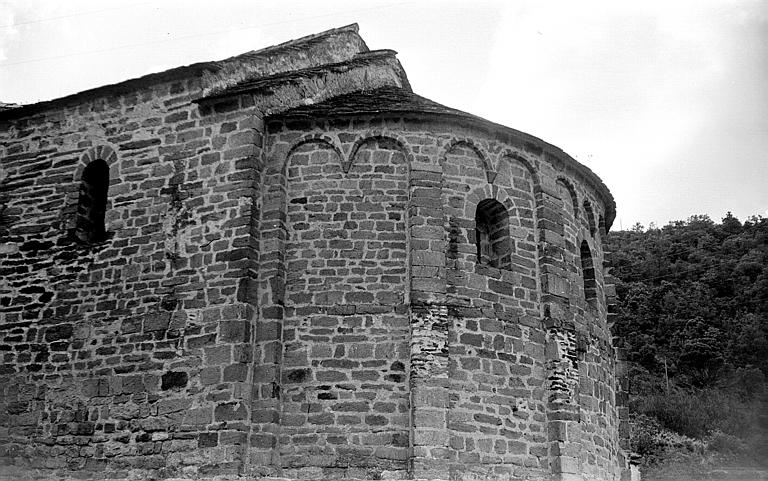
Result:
x=568 y=195
x=494 y=246
x=92 y=203
x=588 y=273
x=590 y=218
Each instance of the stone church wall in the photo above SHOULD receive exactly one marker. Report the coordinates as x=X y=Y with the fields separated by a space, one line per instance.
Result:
x=503 y=391
x=132 y=351
x=390 y=295
x=141 y=351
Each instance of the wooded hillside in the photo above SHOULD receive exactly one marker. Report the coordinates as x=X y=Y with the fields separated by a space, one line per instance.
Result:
x=693 y=319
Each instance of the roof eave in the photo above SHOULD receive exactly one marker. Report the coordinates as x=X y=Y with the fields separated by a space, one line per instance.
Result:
x=267 y=81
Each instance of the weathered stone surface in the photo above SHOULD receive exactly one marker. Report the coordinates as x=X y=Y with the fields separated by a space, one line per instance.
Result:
x=313 y=273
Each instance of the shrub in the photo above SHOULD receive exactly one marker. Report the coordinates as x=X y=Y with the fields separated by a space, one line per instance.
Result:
x=679 y=412
x=652 y=440
x=698 y=413
x=645 y=436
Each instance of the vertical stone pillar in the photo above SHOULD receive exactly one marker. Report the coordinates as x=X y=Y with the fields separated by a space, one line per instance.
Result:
x=429 y=391
x=238 y=167
x=563 y=412
x=429 y=325
x=622 y=407
x=620 y=375
x=267 y=295
x=561 y=341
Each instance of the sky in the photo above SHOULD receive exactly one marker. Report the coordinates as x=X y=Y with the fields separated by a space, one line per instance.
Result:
x=666 y=101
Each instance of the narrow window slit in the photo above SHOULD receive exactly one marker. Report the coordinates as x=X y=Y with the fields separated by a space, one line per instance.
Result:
x=92 y=203
x=588 y=273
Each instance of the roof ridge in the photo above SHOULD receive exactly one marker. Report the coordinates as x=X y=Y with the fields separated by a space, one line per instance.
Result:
x=352 y=27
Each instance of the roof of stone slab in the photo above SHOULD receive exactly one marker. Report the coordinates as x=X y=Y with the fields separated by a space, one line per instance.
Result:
x=387 y=100
x=299 y=46
x=260 y=83
x=381 y=100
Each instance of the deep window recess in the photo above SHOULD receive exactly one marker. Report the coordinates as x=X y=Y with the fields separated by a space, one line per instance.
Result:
x=588 y=273
x=494 y=246
x=92 y=203
x=590 y=218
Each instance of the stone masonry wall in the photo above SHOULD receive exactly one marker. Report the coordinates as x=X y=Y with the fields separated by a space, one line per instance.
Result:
x=302 y=298
x=145 y=351
x=497 y=413
x=131 y=352
x=378 y=347
x=582 y=408
x=345 y=330
x=515 y=377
